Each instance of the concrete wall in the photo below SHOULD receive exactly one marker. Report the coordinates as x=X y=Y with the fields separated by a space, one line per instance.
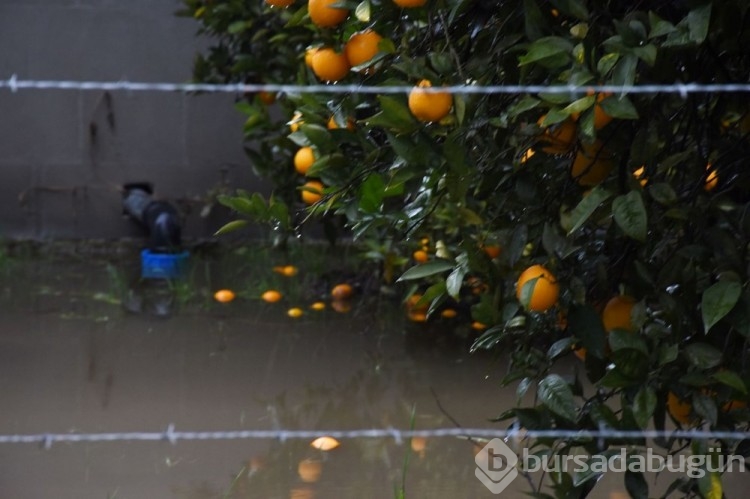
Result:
x=63 y=154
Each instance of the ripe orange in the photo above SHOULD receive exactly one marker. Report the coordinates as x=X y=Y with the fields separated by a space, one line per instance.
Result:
x=342 y=291
x=492 y=250
x=309 y=470
x=681 y=411
x=420 y=256
x=580 y=352
x=545 y=291
x=559 y=138
x=601 y=119
x=733 y=405
x=333 y=125
x=318 y=306
x=409 y=4
x=478 y=326
x=592 y=164
x=309 y=53
x=312 y=192
x=304 y=159
x=325 y=443
x=267 y=98
x=640 y=176
x=527 y=155
x=712 y=180
x=280 y=3
x=411 y=303
x=362 y=47
x=616 y=313
x=224 y=296
x=271 y=296
x=429 y=106
x=329 y=65
x=296 y=121
x=325 y=16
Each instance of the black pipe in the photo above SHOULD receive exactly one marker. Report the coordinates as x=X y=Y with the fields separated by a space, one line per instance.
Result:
x=160 y=219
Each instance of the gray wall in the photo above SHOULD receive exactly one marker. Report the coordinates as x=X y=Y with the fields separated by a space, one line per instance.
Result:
x=63 y=154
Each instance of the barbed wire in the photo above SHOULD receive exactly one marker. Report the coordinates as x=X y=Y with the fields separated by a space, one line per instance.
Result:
x=15 y=84
x=173 y=436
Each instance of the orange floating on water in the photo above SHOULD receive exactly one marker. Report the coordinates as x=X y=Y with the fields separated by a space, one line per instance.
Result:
x=318 y=305
x=295 y=312
x=325 y=443
x=224 y=296
x=286 y=270
x=271 y=296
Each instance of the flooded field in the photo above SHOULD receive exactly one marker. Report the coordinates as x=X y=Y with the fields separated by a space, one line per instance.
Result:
x=73 y=359
x=86 y=348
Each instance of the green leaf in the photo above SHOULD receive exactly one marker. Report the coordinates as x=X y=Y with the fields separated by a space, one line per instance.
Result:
x=698 y=21
x=586 y=207
x=702 y=355
x=559 y=347
x=318 y=136
x=644 y=405
x=545 y=48
x=705 y=407
x=426 y=270
x=557 y=396
x=662 y=194
x=731 y=379
x=718 y=301
x=393 y=115
x=619 y=107
x=625 y=340
x=630 y=215
x=624 y=71
x=580 y=105
x=231 y=226
x=534 y=21
x=371 y=193
x=524 y=104
x=454 y=281
x=659 y=27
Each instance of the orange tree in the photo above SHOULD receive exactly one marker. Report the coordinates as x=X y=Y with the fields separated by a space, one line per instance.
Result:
x=627 y=215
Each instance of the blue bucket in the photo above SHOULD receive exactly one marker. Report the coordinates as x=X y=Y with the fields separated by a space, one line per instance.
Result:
x=163 y=265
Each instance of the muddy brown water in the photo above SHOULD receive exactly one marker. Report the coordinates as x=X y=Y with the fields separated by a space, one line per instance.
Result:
x=72 y=360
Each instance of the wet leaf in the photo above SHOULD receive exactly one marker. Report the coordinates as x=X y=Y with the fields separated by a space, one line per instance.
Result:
x=644 y=405
x=426 y=270
x=630 y=215
x=731 y=379
x=556 y=394
x=619 y=107
x=718 y=301
x=586 y=207
x=545 y=48
x=231 y=227
x=702 y=355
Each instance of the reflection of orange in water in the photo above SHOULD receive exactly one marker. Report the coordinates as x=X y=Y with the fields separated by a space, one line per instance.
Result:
x=418 y=445
x=301 y=493
x=341 y=306
x=309 y=470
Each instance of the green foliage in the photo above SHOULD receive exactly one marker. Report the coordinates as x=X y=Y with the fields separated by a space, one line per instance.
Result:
x=675 y=239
